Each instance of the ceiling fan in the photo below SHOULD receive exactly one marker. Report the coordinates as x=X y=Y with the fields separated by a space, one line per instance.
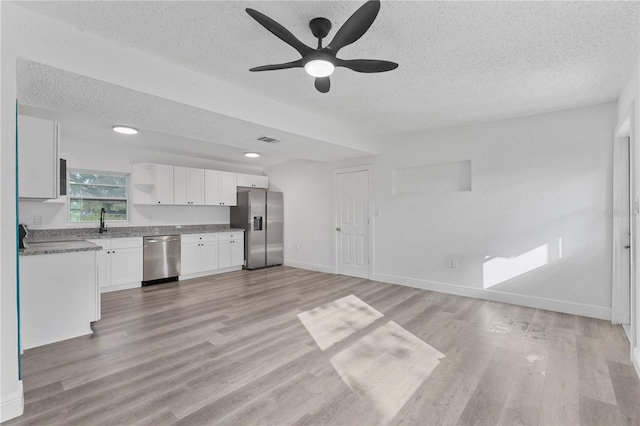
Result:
x=321 y=62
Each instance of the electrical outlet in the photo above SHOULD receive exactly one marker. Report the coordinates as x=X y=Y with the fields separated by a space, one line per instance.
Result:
x=297 y=246
x=455 y=264
x=37 y=220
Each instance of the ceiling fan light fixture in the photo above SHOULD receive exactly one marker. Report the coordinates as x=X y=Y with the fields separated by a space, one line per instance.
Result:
x=252 y=154
x=125 y=130
x=319 y=68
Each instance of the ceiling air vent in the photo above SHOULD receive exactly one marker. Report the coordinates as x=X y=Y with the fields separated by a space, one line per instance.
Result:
x=267 y=139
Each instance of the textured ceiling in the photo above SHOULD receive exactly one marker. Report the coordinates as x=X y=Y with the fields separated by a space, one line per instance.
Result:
x=87 y=108
x=460 y=62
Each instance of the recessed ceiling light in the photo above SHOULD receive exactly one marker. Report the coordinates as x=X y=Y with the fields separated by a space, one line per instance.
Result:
x=126 y=130
x=251 y=154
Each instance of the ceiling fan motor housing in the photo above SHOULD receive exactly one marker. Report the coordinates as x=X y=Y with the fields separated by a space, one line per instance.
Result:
x=320 y=27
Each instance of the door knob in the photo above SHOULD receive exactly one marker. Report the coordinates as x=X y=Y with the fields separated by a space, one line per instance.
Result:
x=627 y=247
x=337 y=229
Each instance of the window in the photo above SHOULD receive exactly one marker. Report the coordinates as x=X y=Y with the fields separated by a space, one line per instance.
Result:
x=89 y=192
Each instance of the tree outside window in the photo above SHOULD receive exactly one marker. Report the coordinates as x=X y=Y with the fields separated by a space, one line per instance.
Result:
x=89 y=192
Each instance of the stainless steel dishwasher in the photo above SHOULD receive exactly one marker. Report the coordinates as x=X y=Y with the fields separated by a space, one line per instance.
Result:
x=161 y=259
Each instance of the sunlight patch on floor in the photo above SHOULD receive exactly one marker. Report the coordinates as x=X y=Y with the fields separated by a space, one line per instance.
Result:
x=335 y=321
x=384 y=366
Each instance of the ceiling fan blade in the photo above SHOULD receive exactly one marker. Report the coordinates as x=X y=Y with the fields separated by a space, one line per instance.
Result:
x=293 y=64
x=367 y=65
x=279 y=31
x=322 y=84
x=356 y=25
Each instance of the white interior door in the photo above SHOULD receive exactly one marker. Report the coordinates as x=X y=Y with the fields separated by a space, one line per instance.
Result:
x=622 y=214
x=352 y=223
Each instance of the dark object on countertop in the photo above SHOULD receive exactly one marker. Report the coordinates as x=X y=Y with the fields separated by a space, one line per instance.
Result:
x=22 y=229
x=103 y=228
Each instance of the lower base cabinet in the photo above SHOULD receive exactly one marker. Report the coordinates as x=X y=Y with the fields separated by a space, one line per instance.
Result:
x=202 y=253
x=231 y=248
x=198 y=253
x=119 y=263
x=59 y=297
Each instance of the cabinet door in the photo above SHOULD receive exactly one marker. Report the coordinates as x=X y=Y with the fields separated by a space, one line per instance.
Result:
x=189 y=258
x=253 y=181
x=102 y=267
x=38 y=159
x=228 y=188
x=224 y=254
x=212 y=188
x=196 y=187
x=164 y=184
x=237 y=252
x=180 y=185
x=208 y=256
x=126 y=266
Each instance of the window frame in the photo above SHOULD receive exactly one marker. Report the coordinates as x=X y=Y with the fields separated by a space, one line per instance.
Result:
x=99 y=172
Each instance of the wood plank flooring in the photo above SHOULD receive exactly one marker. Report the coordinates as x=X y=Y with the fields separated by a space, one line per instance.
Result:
x=283 y=346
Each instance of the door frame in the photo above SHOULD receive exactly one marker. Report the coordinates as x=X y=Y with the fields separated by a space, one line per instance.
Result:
x=369 y=208
x=621 y=170
x=626 y=129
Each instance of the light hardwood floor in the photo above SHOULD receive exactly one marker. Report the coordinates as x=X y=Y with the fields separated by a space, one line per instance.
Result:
x=287 y=346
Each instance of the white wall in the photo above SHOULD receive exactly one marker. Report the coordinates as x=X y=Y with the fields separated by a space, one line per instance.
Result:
x=96 y=156
x=539 y=184
x=629 y=98
x=11 y=397
x=308 y=210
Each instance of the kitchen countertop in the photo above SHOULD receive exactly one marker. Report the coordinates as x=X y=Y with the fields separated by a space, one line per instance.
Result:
x=53 y=247
x=66 y=240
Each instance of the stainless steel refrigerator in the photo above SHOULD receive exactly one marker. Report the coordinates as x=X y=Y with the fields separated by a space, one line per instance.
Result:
x=260 y=214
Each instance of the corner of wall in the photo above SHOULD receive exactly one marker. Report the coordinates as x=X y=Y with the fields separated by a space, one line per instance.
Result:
x=12 y=406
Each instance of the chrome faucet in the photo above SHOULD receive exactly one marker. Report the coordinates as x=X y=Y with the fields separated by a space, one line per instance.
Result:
x=103 y=228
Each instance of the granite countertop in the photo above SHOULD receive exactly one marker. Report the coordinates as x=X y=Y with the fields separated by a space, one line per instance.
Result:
x=53 y=247
x=66 y=240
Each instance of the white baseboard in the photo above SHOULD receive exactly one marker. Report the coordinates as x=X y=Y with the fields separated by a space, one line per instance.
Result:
x=627 y=331
x=207 y=273
x=126 y=286
x=599 y=312
x=13 y=405
x=309 y=266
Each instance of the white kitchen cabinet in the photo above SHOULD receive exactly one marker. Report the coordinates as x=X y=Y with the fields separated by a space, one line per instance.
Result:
x=38 y=158
x=198 y=253
x=189 y=258
x=252 y=181
x=220 y=188
x=188 y=186
x=119 y=263
x=152 y=184
x=231 y=249
x=211 y=187
x=58 y=297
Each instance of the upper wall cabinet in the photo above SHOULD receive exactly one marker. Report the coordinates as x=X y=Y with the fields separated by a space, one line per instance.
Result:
x=38 y=158
x=188 y=186
x=152 y=184
x=219 y=188
x=252 y=181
